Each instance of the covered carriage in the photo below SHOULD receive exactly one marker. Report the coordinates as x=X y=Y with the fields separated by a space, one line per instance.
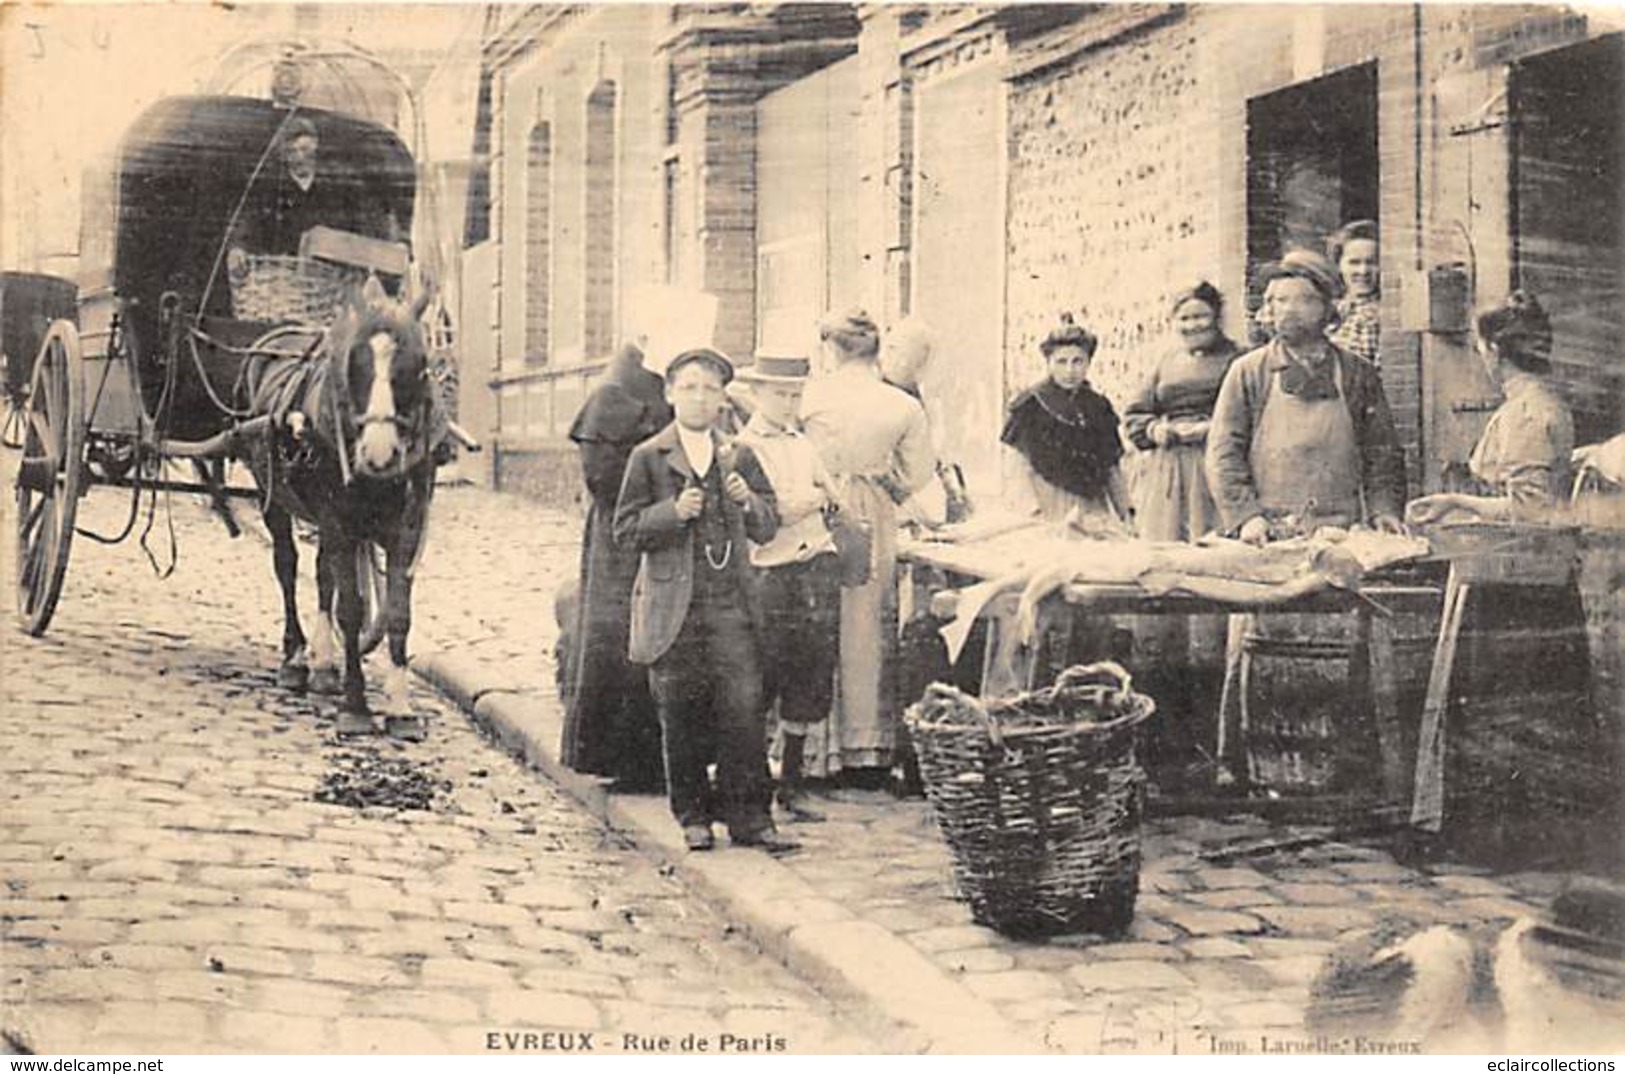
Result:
x=181 y=302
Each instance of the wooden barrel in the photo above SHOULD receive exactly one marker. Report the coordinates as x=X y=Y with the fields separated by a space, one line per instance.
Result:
x=1302 y=728
x=1320 y=714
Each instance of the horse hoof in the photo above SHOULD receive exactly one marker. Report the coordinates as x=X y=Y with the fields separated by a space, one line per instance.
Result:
x=406 y=728
x=325 y=681
x=354 y=724
x=293 y=677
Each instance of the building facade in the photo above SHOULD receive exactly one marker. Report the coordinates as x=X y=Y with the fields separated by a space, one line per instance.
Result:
x=985 y=168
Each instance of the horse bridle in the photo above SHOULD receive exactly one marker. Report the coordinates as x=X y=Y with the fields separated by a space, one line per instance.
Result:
x=413 y=426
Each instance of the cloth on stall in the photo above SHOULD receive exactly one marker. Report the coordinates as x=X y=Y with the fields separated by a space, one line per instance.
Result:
x=1605 y=460
x=1223 y=570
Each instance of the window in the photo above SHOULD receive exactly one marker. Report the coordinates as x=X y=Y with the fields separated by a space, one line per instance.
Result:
x=599 y=260
x=672 y=189
x=477 y=221
x=538 y=242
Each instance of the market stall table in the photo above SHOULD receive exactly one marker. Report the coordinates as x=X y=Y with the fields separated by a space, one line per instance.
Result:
x=977 y=563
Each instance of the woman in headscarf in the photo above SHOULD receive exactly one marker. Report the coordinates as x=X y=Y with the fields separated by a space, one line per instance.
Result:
x=905 y=355
x=610 y=727
x=1169 y=417
x=874 y=440
x=1181 y=660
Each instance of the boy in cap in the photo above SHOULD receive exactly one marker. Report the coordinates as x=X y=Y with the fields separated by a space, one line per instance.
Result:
x=690 y=505
x=799 y=574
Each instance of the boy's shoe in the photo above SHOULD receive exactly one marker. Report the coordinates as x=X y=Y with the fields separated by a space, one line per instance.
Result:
x=794 y=805
x=769 y=839
x=698 y=837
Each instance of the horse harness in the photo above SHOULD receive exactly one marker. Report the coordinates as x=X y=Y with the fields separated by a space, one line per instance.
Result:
x=316 y=385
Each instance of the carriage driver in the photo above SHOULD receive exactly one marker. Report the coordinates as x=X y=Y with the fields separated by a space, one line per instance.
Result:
x=288 y=200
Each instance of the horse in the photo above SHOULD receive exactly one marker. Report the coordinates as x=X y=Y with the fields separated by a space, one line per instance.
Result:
x=352 y=450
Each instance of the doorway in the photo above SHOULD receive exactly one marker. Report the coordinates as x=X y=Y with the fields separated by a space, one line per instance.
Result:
x=1312 y=164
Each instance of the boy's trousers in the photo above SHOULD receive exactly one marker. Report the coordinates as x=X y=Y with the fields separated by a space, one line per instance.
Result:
x=708 y=689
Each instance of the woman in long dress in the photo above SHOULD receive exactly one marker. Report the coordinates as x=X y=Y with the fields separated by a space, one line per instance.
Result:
x=1168 y=421
x=610 y=726
x=1064 y=437
x=1180 y=660
x=874 y=441
x=1560 y=756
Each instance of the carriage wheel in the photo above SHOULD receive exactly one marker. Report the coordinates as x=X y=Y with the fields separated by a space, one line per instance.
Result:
x=373 y=577
x=50 y=477
x=11 y=431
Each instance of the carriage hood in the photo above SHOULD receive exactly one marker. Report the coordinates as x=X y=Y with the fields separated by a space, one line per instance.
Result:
x=186 y=164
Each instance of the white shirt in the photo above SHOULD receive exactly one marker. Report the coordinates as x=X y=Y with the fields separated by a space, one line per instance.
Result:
x=698 y=447
x=791 y=464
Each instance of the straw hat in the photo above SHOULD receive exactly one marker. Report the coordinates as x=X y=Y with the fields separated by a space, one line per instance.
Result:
x=777 y=369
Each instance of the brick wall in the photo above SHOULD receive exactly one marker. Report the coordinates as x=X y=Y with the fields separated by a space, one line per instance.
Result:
x=1114 y=192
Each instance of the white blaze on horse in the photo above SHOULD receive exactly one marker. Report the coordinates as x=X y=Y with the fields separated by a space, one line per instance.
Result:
x=352 y=452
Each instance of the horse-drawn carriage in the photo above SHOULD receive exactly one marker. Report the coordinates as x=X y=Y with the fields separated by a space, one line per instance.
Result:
x=199 y=347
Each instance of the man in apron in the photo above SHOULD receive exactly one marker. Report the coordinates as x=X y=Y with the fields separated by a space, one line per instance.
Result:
x=1302 y=438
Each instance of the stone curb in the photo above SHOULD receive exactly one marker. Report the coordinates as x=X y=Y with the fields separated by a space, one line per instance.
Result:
x=872 y=970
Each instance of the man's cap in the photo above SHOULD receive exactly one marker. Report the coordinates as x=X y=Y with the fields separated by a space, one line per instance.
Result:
x=1305 y=265
x=778 y=369
x=298 y=127
x=710 y=356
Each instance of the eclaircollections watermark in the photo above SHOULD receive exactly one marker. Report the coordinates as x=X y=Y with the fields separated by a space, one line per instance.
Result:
x=584 y=1041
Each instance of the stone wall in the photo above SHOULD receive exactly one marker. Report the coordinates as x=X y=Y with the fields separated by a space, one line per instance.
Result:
x=1114 y=189
x=549 y=473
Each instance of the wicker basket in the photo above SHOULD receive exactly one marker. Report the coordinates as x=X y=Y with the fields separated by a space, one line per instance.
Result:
x=279 y=288
x=1040 y=798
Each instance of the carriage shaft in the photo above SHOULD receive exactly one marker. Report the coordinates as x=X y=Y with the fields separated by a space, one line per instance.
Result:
x=236 y=492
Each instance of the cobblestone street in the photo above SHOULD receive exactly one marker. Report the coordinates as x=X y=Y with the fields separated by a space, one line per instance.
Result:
x=1216 y=955
x=171 y=881
x=171 y=885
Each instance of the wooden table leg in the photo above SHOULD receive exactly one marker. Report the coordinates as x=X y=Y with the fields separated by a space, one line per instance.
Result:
x=1427 y=806
x=1229 y=730
x=1009 y=666
x=1383 y=674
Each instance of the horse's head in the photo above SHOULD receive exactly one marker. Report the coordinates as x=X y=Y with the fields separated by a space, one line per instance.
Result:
x=386 y=376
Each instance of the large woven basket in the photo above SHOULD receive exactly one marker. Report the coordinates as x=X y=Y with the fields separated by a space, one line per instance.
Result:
x=279 y=288
x=1040 y=798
